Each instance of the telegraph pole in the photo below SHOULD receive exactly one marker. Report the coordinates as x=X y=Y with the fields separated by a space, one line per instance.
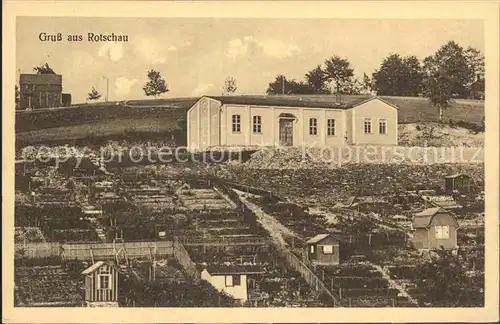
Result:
x=107 y=88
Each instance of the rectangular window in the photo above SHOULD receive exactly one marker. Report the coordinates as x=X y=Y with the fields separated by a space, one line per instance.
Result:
x=236 y=280
x=328 y=249
x=312 y=248
x=236 y=123
x=442 y=232
x=313 y=126
x=257 y=124
x=229 y=281
x=368 y=126
x=330 y=127
x=382 y=126
x=104 y=282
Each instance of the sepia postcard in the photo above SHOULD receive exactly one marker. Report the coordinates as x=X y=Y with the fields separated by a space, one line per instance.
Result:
x=257 y=162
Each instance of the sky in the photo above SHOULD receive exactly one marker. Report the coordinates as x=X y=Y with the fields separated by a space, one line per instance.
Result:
x=195 y=55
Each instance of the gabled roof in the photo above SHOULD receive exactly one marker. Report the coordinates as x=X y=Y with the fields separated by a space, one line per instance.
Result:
x=448 y=204
x=429 y=211
x=94 y=267
x=222 y=269
x=421 y=221
x=317 y=238
x=294 y=102
x=424 y=218
x=41 y=79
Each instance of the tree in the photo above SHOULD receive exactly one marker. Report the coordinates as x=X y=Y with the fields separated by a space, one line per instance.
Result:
x=433 y=280
x=283 y=86
x=475 y=60
x=230 y=86
x=339 y=71
x=43 y=69
x=316 y=79
x=278 y=86
x=438 y=88
x=458 y=64
x=355 y=87
x=94 y=94
x=298 y=87
x=398 y=76
x=367 y=86
x=155 y=85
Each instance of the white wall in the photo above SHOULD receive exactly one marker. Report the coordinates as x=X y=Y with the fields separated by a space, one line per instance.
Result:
x=214 y=113
x=375 y=110
x=267 y=137
x=270 y=126
x=193 y=127
x=219 y=282
x=204 y=129
x=340 y=128
x=235 y=138
x=203 y=124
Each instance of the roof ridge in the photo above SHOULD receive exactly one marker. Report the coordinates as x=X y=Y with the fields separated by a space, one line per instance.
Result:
x=290 y=101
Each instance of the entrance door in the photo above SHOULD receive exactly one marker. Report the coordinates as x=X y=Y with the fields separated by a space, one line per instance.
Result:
x=286 y=132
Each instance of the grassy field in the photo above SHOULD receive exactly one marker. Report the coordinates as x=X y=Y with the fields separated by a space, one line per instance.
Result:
x=162 y=116
x=416 y=109
x=120 y=128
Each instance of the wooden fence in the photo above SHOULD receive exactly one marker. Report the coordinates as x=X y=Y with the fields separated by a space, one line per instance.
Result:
x=224 y=241
x=314 y=282
x=82 y=251
x=182 y=256
x=293 y=261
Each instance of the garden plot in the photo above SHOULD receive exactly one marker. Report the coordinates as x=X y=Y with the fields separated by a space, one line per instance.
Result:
x=222 y=225
x=282 y=287
x=363 y=285
x=164 y=270
x=28 y=235
x=101 y=198
x=57 y=223
x=46 y=286
x=359 y=235
x=472 y=248
x=203 y=199
x=366 y=227
x=155 y=198
x=328 y=188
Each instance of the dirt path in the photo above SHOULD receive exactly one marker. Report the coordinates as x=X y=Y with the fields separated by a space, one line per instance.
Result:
x=394 y=284
x=277 y=230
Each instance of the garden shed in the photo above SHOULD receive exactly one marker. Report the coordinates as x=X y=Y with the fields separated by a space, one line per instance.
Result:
x=323 y=249
x=231 y=279
x=435 y=228
x=460 y=182
x=101 y=284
